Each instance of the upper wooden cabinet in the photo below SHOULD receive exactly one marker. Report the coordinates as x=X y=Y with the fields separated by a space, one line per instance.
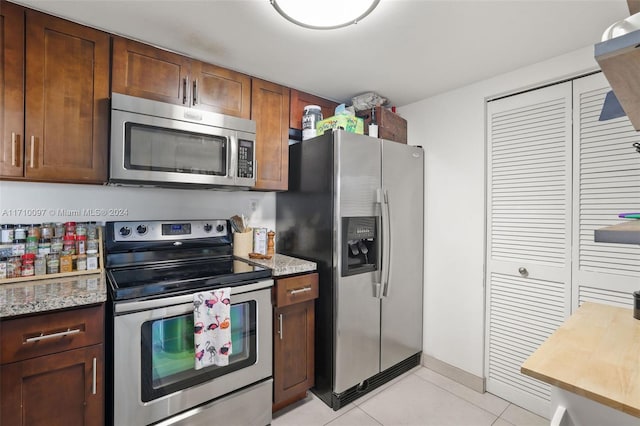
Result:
x=300 y=99
x=270 y=111
x=178 y=79
x=62 y=136
x=12 y=89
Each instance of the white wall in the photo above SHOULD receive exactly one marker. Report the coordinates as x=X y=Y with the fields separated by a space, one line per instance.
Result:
x=30 y=202
x=451 y=128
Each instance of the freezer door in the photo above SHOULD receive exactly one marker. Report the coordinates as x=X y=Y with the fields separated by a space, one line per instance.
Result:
x=402 y=266
x=357 y=310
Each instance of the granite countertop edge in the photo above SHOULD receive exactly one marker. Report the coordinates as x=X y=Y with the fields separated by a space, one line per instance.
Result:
x=282 y=265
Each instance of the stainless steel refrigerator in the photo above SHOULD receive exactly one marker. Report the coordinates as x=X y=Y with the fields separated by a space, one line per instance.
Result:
x=355 y=207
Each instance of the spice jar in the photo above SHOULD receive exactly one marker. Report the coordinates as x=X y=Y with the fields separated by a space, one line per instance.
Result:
x=33 y=231
x=93 y=245
x=66 y=263
x=81 y=244
x=56 y=244
x=32 y=244
x=20 y=234
x=69 y=244
x=6 y=234
x=14 y=264
x=81 y=229
x=58 y=230
x=70 y=228
x=44 y=246
x=81 y=262
x=3 y=268
x=53 y=263
x=92 y=231
x=92 y=259
x=40 y=264
x=46 y=230
x=28 y=268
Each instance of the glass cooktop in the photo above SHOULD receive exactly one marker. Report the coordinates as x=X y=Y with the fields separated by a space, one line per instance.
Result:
x=181 y=277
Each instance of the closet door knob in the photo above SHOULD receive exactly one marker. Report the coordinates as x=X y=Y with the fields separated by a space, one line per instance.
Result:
x=523 y=271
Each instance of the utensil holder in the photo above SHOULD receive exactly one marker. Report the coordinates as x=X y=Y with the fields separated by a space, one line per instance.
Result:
x=242 y=243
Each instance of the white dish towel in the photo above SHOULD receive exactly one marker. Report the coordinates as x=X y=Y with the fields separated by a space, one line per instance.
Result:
x=212 y=327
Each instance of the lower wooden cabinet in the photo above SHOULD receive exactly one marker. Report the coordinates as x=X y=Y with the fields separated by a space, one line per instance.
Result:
x=53 y=368
x=293 y=342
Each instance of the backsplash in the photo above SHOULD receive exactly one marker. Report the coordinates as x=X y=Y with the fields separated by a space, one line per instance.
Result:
x=33 y=202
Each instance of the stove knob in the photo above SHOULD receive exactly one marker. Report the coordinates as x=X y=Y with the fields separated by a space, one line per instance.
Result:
x=125 y=231
x=207 y=227
x=142 y=229
x=220 y=228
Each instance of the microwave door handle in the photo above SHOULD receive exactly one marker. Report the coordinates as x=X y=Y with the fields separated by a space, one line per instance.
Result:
x=233 y=157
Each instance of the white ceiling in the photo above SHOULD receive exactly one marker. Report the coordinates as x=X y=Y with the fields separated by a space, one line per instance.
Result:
x=405 y=50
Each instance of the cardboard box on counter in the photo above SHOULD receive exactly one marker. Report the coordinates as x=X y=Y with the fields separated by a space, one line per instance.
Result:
x=391 y=126
x=347 y=122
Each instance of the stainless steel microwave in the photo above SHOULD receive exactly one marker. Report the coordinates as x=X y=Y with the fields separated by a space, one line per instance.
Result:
x=159 y=144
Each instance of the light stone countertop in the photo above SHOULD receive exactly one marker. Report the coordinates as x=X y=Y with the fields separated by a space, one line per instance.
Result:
x=595 y=354
x=33 y=296
x=282 y=265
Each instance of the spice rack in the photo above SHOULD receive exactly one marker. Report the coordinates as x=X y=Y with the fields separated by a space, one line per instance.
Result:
x=59 y=275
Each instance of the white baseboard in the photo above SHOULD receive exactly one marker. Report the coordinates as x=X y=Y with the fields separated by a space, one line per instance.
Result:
x=454 y=373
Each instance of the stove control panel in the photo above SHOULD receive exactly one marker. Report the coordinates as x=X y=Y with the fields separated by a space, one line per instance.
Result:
x=162 y=230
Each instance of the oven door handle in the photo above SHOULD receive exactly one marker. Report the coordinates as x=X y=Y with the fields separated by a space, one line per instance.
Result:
x=125 y=307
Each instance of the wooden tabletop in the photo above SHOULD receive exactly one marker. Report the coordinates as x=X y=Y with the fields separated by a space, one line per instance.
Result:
x=596 y=354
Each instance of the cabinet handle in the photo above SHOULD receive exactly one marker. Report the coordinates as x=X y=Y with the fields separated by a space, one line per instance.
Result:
x=94 y=385
x=14 y=139
x=280 y=331
x=184 y=91
x=52 y=335
x=33 y=148
x=299 y=290
x=195 y=91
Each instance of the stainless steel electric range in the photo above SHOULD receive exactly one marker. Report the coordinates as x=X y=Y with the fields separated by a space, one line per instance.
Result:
x=154 y=268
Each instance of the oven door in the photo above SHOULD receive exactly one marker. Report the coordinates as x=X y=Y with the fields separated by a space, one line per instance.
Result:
x=153 y=362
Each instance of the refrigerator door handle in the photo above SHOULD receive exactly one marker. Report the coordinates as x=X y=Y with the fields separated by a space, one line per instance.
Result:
x=386 y=242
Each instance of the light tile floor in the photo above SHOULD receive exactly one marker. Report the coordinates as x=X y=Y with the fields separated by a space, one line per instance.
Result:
x=418 y=397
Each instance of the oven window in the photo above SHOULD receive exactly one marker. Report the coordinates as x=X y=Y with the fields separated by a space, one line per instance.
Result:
x=169 y=150
x=168 y=357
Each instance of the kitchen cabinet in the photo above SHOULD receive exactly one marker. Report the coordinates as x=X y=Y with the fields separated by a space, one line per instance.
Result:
x=270 y=111
x=62 y=136
x=12 y=96
x=293 y=347
x=301 y=99
x=52 y=368
x=178 y=79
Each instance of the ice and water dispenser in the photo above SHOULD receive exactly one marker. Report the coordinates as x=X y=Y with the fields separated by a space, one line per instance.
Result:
x=359 y=245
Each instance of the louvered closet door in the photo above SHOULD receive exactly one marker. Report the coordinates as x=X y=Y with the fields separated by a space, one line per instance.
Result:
x=606 y=182
x=528 y=236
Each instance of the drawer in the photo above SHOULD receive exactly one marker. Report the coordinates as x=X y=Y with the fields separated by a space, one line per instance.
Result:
x=48 y=333
x=296 y=289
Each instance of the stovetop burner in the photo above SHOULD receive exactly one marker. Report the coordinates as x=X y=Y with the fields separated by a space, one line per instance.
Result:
x=156 y=258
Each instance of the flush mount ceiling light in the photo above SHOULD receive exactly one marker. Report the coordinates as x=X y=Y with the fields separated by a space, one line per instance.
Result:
x=324 y=14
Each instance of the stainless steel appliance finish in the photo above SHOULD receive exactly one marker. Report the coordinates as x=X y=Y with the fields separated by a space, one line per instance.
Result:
x=159 y=144
x=154 y=268
x=355 y=206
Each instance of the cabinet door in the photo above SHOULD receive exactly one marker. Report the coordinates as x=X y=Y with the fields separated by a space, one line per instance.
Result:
x=300 y=99
x=148 y=72
x=270 y=111
x=293 y=370
x=220 y=90
x=61 y=389
x=11 y=90
x=67 y=91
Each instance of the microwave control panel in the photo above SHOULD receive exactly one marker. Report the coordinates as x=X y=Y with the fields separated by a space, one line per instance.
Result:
x=245 y=159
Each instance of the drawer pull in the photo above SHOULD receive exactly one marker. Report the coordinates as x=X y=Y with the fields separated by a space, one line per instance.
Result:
x=94 y=384
x=13 y=148
x=52 y=335
x=299 y=290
